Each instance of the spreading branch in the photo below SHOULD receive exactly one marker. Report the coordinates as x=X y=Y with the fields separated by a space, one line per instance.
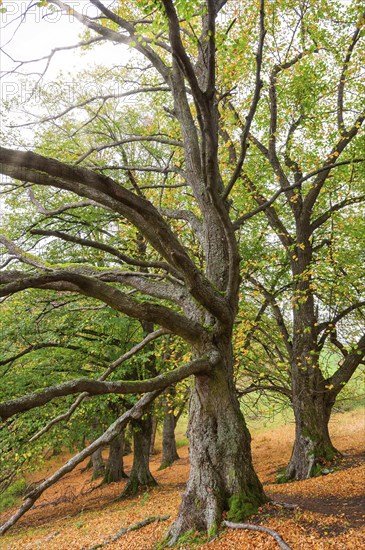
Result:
x=67 y=281
x=133 y=351
x=97 y=387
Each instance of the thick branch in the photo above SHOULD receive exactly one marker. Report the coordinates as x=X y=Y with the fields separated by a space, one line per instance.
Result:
x=109 y=34
x=343 y=374
x=74 y=282
x=140 y=212
x=96 y=387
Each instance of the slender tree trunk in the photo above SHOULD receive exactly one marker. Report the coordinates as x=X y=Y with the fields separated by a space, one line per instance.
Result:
x=97 y=464
x=140 y=476
x=153 y=434
x=169 y=450
x=313 y=447
x=221 y=472
x=114 y=470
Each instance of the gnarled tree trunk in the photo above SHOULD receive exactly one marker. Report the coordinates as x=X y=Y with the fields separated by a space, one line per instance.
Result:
x=221 y=472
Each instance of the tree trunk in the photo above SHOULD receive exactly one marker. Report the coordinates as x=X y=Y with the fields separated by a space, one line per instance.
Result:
x=114 y=468
x=313 y=447
x=97 y=463
x=221 y=472
x=153 y=434
x=169 y=450
x=140 y=475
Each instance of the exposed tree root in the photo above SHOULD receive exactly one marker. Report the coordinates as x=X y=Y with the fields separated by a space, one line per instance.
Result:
x=252 y=527
x=133 y=527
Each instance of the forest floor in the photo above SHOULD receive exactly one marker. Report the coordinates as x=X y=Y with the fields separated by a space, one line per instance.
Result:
x=329 y=513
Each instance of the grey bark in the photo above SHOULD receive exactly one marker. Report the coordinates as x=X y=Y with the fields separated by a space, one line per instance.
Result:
x=114 y=470
x=140 y=476
x=169 y=449
x=97 y=463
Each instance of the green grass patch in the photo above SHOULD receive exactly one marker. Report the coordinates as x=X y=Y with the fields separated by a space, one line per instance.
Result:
x=12 y=494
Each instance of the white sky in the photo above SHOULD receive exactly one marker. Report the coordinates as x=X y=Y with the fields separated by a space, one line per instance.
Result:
x=41 y=31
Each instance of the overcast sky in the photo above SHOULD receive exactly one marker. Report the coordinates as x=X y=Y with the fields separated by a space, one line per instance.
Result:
x=36 y=34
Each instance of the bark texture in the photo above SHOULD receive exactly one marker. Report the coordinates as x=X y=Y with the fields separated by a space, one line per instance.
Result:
x=140 y=476
x=221 y=473
x=97 y=464
x=169 y=450
x=114 y=470
x=313 y=448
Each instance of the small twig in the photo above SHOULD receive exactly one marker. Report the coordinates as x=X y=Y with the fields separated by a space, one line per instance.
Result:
x=284 y=505
x=252 y=527
x=133 y=527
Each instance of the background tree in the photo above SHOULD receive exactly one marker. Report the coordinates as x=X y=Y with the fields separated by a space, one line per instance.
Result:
x=305 y=171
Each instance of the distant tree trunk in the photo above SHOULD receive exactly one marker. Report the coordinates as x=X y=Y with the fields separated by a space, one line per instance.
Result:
x=114 y=470
x=127 y=442
x=97 y=463
x=140 y=476
x=169 y=450
x=153 y=434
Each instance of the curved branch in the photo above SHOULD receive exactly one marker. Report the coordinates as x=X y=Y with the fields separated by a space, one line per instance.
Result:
x=67 y=415
x=107 y=248
x=332 y=322
x=55 y=211
x=36 y=347
x=140 y=212
x=262 y=387
x=324 y=217
x=343 y=374
x=66 y=281
x=103 y=98
x=276 y=311
x=251 y=527
x=341 y=86
x=109 y=34
x=328 y=164
x=131 y=139
x=253 y=106
x=96 y=387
